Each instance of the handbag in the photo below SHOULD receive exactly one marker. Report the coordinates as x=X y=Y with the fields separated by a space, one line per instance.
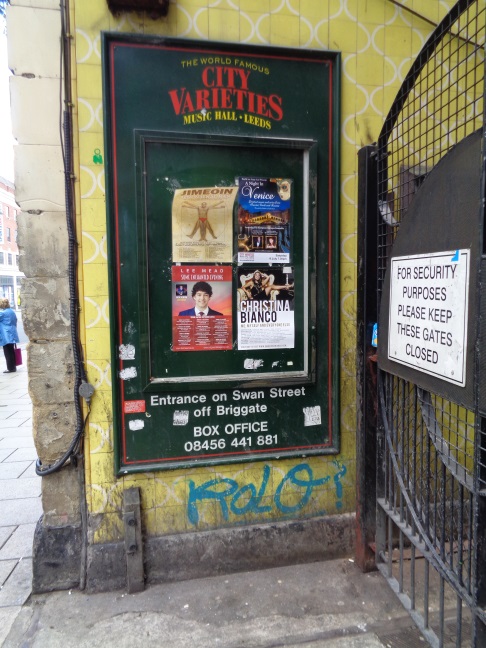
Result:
x=18 y=356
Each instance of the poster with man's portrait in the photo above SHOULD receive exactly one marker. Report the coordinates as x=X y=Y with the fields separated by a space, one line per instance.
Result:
x=201 y=308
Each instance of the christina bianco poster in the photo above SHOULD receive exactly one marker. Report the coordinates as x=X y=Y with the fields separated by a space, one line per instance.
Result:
x=265 y=308
x=202 y=225
x=201 y=308
x=264 y=220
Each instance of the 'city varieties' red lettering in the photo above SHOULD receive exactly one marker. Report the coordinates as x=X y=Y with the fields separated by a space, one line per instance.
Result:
x=225 y=88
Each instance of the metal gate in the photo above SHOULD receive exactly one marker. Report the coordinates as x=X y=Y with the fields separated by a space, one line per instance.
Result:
x=430 y=460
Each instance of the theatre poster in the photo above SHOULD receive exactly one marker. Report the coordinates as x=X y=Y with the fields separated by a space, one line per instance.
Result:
x=264 y=219
x=206 y=290
x=202 y=225
x=265 y=308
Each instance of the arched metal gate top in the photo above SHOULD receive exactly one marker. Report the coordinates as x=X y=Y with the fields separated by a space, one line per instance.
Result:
x=431 y=449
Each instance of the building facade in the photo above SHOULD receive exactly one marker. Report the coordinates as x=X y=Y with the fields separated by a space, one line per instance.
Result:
x=10 y=275
x=197 y=516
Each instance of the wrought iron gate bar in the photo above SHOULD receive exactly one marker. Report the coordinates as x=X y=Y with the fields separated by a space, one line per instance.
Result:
x=437 y=558
x=430 y=451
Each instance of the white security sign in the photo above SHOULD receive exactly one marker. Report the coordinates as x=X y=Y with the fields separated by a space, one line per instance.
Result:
x=429 y=312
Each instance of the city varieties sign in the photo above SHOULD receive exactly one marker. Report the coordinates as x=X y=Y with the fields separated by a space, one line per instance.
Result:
x=226 y=93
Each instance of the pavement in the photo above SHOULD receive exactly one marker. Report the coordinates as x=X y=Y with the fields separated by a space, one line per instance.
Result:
x=328 y=604
x=20 y=503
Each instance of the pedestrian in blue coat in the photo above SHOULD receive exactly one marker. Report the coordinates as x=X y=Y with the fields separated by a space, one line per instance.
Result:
x=8 y=334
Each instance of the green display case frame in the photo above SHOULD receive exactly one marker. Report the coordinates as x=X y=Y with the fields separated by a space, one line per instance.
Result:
x=296 y=409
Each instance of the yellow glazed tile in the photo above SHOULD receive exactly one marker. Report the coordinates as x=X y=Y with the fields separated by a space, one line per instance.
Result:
x=348 y=276
x=398 y=42
x=88 y=47
x=93 y=215
x=369 y=70
x=291 y=7
x=99 y=374
x=89 y=81
x=200 y=24
x=94 y=244
x=224 y=25
x=254 y=29
x=95 y=277
x=349 y=158
x=170 y=519
x=349 y=66
x=371 y=12
x=343 y=35
x=284 y=30
x=90 y=115
x=349 y=249
x=102 y=468
x=169 y=491
x=321 y=33
x=100 y=437
x=149 y=522
x=255 y=6
x=101 y=408
x=91 y=14
x=98 y=344
x=91 y=151
x=314 y=11
x=193 y=5
x=92 y=182
x=348 y=305
x=110 y=529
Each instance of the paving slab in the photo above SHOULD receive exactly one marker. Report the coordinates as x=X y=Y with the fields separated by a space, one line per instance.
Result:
x=15 y=442
x=19 y=545
x=13 y=469
x=17 y=589
x=6 y=568
x=29 y=472
x=4 y=453
x=7 y=617
x=5 y=533
x=22 y=454
x=16 y=432
x=25 y=511
x=21 y=488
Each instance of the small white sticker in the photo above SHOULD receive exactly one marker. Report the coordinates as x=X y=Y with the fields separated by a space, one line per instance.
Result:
x=181 y=417
x=135 y=425
x=250 y=363
x=129 y=372
x=127 y=352
x=312 y=415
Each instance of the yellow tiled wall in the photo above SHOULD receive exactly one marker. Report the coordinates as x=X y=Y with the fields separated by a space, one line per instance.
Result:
x=378 y=41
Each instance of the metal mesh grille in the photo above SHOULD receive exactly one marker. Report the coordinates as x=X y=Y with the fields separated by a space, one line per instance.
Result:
x=441 y=102
x=428 y=484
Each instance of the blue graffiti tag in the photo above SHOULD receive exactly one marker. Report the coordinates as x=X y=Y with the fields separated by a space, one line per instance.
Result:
x=225 y=489
x=342 y=470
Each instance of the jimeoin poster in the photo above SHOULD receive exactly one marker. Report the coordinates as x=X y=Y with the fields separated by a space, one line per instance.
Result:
x=202 y=225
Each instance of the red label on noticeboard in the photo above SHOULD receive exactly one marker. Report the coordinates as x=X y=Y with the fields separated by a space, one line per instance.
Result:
x=134 y=407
